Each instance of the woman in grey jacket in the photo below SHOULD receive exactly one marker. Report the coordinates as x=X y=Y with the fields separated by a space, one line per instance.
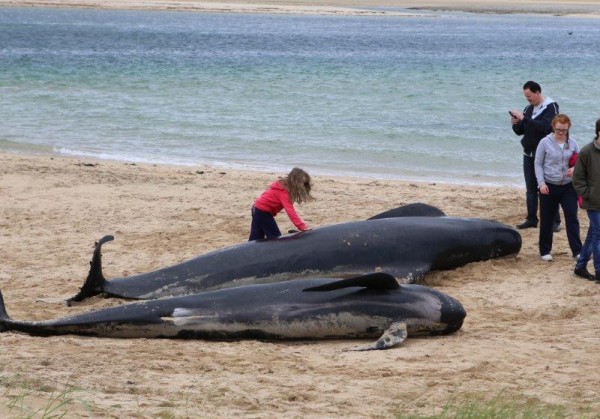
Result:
x=555 y=182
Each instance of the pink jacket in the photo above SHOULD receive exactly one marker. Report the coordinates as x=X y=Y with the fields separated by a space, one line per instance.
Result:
x=277 y=198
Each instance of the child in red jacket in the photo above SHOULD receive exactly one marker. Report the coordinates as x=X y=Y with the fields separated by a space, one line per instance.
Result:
x=282 y=194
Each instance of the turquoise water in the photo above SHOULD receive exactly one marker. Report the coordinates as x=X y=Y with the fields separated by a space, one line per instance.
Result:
x=421 y=98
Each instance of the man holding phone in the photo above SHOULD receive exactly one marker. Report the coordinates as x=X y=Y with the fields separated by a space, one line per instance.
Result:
x=534 y=123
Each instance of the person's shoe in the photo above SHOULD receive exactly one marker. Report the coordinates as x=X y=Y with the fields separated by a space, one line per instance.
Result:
x=547 y=258
x=556 y=227
x=584 y=273
x=597 y=277
x=526 y=224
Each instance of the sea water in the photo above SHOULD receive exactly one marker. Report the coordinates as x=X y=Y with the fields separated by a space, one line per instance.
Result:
x=418 y=98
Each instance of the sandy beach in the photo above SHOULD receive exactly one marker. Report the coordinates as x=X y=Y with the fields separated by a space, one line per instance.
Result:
x=531 y=333
x=587 y=8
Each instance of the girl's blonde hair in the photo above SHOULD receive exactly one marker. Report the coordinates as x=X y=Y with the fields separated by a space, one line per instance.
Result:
x=298 y=185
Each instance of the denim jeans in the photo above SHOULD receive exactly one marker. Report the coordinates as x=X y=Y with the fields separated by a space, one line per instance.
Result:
x=591 y=246
x=532 y=190
x=566 y=197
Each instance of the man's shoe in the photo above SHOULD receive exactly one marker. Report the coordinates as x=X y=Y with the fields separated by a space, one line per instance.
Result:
x=556 y=227
x=547 y=258
x=584 y=273
x=526 y=224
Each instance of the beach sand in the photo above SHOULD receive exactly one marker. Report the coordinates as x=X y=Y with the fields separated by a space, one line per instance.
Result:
x=532 y=329
x=587 y=8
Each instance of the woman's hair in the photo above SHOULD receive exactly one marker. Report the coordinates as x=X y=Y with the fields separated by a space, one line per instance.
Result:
x=561 y=118
x=298 y=185
x=597 y=130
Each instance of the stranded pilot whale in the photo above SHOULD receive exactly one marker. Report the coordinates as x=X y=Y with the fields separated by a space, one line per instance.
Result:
x=407 y=248
x=368 y=306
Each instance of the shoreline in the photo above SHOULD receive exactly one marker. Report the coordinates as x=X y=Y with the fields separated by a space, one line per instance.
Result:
x=407 y=8
x=318 y=170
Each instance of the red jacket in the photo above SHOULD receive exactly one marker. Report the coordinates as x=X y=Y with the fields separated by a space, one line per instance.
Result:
x=277 y=198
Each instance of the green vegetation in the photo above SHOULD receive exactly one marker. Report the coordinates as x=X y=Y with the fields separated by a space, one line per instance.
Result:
x=55 y=407
x=21 y=398
x=500 y=407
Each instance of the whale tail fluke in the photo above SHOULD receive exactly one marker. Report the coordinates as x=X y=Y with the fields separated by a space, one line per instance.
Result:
x=4 y=317
x=95 y=280
x=3 y=314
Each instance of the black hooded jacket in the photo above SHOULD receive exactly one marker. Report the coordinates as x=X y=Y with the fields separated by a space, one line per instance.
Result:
x=534 y=129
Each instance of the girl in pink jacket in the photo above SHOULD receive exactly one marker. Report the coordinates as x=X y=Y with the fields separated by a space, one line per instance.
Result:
x=282 y=194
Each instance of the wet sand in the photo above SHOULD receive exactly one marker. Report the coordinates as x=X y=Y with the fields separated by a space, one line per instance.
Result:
x=587 y=8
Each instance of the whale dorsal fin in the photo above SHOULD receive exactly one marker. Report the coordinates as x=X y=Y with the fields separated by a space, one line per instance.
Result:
x=380 y=281
x=417 y=209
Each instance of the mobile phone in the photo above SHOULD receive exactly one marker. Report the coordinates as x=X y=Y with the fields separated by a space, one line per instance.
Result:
x=512 y=114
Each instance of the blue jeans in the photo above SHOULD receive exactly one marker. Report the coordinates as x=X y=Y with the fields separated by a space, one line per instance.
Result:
x=592 y=243
x=566 y=197
x=532 y=190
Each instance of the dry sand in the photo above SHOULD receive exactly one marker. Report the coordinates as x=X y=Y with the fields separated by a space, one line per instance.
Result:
x=588 y=8
x=532 y=330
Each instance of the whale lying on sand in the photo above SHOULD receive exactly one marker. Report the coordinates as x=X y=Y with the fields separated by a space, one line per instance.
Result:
x=406 y=247
x=369 y=306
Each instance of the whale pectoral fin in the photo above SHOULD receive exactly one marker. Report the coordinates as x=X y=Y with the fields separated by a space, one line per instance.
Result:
x=94 y=281
x=393 y=336
x=412 y=274
x=380 y=281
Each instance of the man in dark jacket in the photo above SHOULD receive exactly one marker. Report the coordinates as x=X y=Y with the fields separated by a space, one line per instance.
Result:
x=586 y=181
x=534 y=123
